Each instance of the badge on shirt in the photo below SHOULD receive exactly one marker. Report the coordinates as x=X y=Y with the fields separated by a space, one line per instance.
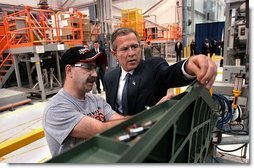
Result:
x=98 y=115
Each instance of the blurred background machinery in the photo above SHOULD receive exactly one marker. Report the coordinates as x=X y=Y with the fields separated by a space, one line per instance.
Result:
x=234 y=129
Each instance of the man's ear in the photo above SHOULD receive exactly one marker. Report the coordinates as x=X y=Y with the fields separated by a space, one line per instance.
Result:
x=114 y=54
x=68 y=71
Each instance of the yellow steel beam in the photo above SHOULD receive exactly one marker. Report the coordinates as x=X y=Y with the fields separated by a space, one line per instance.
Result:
x=184 y=52
x=14 y=144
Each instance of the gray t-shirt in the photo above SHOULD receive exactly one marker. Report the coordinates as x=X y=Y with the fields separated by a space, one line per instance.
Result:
x=64 y=111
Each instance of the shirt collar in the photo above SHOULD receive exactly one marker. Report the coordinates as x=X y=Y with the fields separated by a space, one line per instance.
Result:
x=123 y=74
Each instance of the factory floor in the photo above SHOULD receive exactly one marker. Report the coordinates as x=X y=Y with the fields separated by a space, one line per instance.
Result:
x=26 y=118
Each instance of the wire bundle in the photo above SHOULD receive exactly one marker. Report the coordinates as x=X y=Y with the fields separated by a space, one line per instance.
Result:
x=225 y=110
x=225 y=124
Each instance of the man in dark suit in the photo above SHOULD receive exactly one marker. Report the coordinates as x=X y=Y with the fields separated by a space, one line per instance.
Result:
x=178 y=50
x=102 y=65
x=148 y=80
x=193 y=48
x=206 y=47
x=148 y=51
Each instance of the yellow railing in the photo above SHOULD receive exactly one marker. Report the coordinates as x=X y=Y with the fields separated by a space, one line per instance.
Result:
x=14 y=144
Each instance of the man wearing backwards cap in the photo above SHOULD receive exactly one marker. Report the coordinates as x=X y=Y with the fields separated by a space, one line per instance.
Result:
x=74 y=114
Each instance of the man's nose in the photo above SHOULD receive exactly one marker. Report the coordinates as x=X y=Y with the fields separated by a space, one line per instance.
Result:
x=94 y=73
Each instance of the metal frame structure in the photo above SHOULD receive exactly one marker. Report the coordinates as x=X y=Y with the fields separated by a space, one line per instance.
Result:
x=181 y=133
x=37 y=60
x=38 y=31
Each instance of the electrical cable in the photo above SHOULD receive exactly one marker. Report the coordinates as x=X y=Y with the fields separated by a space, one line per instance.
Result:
x=242 y=155
x=225 y=115
x=232 y=125
x=221 y=108
x=232 y=117
x=233 y=132
x=233 y=150
x=229 y=112
x=240 y=113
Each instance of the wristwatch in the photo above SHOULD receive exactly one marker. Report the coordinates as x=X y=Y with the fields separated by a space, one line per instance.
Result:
x=147 y=107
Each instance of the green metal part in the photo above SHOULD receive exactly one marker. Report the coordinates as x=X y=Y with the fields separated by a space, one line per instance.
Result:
x=182 y=133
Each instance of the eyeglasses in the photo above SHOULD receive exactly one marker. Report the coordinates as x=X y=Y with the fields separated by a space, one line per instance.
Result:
x=125 y=49
x=86 y=66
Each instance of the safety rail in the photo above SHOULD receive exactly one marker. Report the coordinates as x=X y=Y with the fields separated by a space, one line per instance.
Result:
x=8 y=58
x=6 y=62
x=11 y=145
x=41 y=26
x=70 y=27
x=31 y=26
x=171 y=32
x=181 y=133
x=6 y=67
x=3 y=46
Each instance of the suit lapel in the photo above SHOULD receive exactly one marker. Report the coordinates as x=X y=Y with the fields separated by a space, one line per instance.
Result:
x=133 y=89
x=115 y=85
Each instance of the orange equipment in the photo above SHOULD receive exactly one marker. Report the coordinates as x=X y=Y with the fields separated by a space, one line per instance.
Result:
x=32 y=26
x=133 y=18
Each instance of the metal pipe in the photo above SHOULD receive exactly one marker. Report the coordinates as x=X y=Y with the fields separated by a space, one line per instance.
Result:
x=152 y=7
x=116 y=7
x=12 y=105
x=69 y=5
x=155 y=20
x=236 y=139
x=64 y=4
x=184 y=22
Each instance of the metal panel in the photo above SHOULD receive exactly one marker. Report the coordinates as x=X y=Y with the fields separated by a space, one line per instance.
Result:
x=33 y=49
x=181 y=133
x=229 y=72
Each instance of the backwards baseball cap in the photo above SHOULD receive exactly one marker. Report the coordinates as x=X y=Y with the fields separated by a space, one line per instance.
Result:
x=78 y=54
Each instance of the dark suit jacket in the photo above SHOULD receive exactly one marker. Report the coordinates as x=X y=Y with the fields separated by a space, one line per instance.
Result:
x=206 y=49
x=193 y=48
x=148 y=52
x=180 y=48
x=148 y=84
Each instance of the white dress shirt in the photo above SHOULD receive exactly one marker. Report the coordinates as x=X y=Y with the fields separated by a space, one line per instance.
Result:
x=188 y=76
x=120 y=88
